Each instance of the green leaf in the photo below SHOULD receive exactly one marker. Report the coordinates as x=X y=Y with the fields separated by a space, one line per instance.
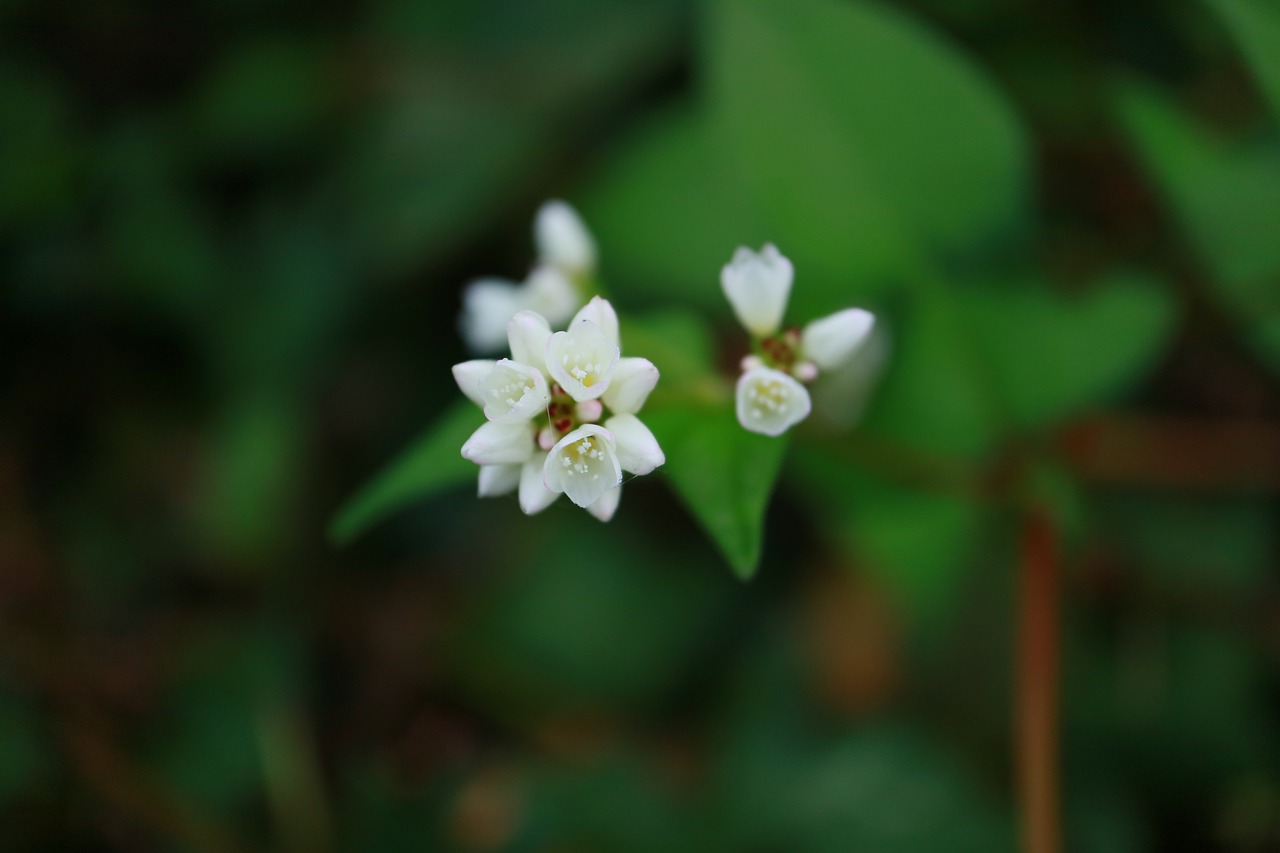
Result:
x=432 y=464
x=724 y=475
x=1256 y=26
x=934 y=396
x=916 y=543
x=1052 y=356
x=669 y=211
x=866 y=142
x=1225 y=197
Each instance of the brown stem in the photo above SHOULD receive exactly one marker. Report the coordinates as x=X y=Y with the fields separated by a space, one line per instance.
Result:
x=1036 y=697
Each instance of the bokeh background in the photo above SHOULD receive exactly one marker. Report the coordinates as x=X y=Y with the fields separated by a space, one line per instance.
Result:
x=233 y=237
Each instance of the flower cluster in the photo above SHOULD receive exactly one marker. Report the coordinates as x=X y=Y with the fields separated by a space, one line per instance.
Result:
x=561 y=413
x=771 y=395
x=554 y=288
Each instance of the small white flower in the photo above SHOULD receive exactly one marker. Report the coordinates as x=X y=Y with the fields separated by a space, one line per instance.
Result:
x=770 y=402
x=549 y=291
x=500 y=444
x=534 y=495
x=563 y=240
x=633 y=379
x=758 y=285
x=487 y=305
x=514 y=392
x=830 y=341
x=582 y=359
x=607 y=504
x=468 y=375
x=498 y=480
x=543 y=439
x=638 y=450
x=584 y=465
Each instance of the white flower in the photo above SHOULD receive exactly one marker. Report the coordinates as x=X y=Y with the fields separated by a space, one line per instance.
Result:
x=543 y=436
x=562 y=239
x=832 y=340
x=584 y=465
x=582 y=359
x=566 y=259
x=758 y=286
x=770 y=401
x=770 y=395
x=487 y=305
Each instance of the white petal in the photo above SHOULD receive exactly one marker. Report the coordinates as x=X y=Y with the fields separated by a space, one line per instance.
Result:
x=534 y=494
x=527 y=335
x=830 y=341
x=582 y=360
x=514 y=392
x=563 y=240
x=638 y=450
x=498 y=480
x=630 y=385
x=584 y=465
x=487 y=305
x=500 y=444
x=600 y=311
x=551 y=294
x=607 y=504
x=757 y=286
x=770 y=402
x=468 y=375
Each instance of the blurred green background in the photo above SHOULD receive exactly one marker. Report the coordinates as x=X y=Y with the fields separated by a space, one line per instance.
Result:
x=233 y=237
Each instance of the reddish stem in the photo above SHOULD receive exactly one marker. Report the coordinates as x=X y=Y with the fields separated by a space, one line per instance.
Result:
x=1036 y=698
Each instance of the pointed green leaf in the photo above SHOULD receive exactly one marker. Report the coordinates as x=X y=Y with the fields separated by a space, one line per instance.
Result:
x=432 y=464
x=1051 y=356
x=864 y=139
x=1256 y=26
x=724 y=475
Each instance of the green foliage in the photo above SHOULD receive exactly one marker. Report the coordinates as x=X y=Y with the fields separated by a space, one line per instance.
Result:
x=724 y=475
x=431 y=464
x=907 y=150
x=1051 y=357
x=1224 y=195
x=1255 y=24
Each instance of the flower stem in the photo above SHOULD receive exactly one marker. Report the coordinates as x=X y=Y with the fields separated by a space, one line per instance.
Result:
x=1036 y=695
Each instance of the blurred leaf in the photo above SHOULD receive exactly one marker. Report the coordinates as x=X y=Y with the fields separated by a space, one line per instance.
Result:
x=38 y=153
x=935 y=394
x=724 y=475
x=425 y=171
x=669 y=212
x=245 y=511
x=1256 y=26
x=916 y=543
x=263 y=94
x=613 y=622
x=1052 y=356
x=678 y=344
x=431 y=464
x=26 y=760
x=866 y=141
x=618 y=804
x=1201 y=547
x=1226 y=198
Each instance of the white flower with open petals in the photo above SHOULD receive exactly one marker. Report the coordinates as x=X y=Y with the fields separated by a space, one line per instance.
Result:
x=584 y=465
x=771 y=397
x=770 y=402
x=561 y=413
x=566 y=262
x=757 y=285
x=583 y=357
